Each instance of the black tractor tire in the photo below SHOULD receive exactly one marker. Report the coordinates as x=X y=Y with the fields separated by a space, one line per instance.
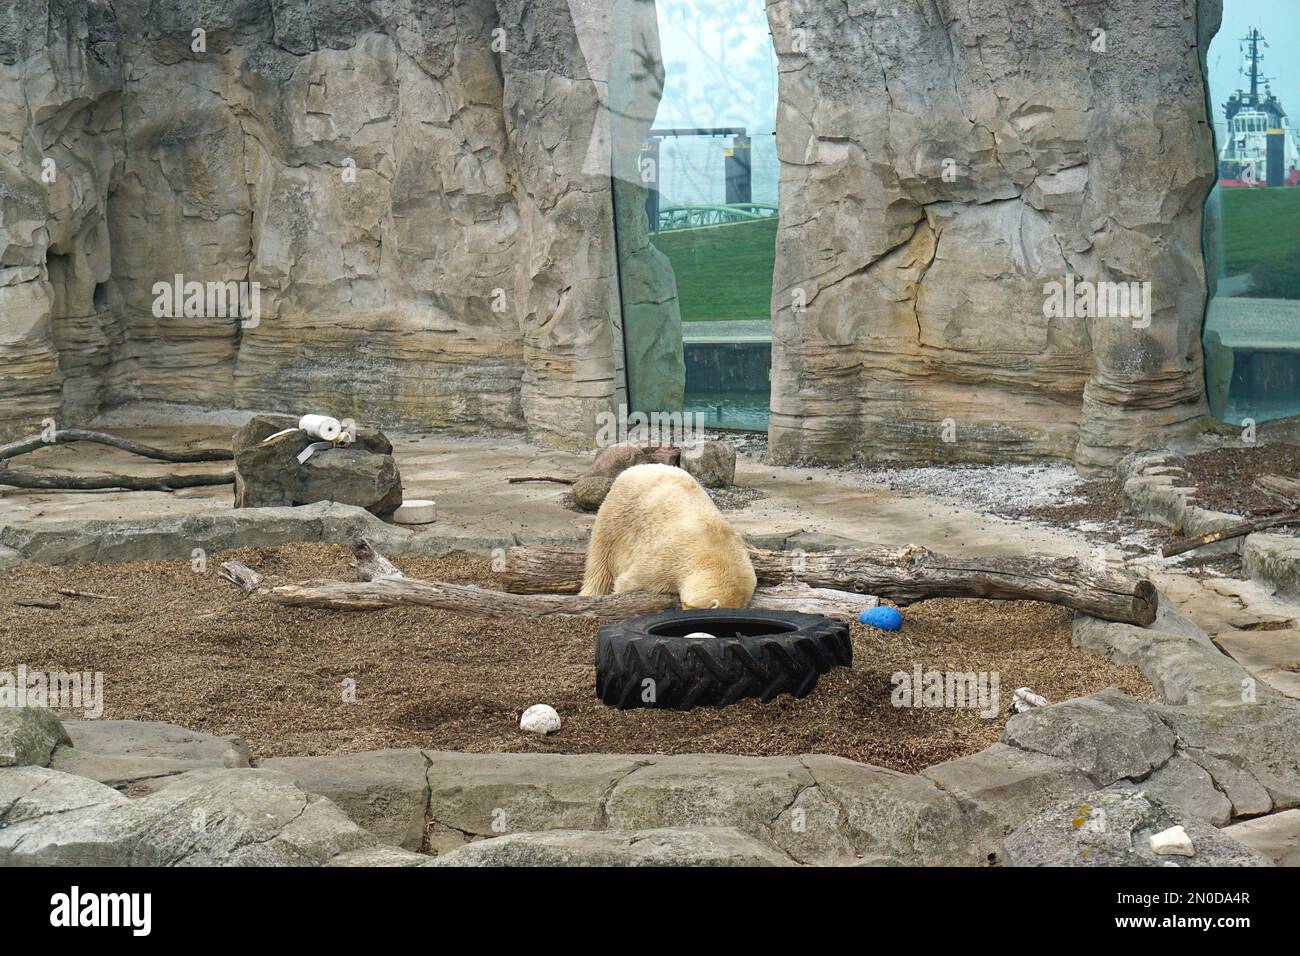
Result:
x=753 y=653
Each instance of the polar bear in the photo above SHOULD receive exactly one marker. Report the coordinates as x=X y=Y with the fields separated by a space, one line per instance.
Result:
x=659 y=531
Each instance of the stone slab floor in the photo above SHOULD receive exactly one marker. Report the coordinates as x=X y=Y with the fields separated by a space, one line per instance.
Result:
x=813 y=506
x=467 y=479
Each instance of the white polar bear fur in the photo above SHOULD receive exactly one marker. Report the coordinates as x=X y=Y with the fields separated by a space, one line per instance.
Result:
x=659 y=531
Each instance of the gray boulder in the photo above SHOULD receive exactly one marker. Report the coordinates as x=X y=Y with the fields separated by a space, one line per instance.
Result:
x=861 y=815
x=663 y=455
x=1273 y=559
x=1257 y=738
x=1112 y=828
x=269 y=475
x=1108 y=735
x=242 y=817
x=706 y=790
x=1277 y=836
x=1001 y=787
x=173 y=537
x=378 y=856
x=589 y=491
x=48 y=818
x=383 y=791
x=613 y=460
x=709 y=846
x=712 y=463
x=29 y=736
x=485 y=795
x=139 y=754
x=1187 y=788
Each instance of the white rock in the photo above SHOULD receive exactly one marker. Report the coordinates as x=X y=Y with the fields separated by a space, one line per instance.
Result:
x=540 y=719
x=1023 y=699
x=1172 y=842
x=415 y=511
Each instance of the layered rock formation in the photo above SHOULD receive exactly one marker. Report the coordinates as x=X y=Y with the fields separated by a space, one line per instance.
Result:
x=942 y=163
x=420 y=190
x=60 y=143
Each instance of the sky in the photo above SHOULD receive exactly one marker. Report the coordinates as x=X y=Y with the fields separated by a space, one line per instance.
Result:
x=720 y=65
x=721 y=71
x=1279 y=21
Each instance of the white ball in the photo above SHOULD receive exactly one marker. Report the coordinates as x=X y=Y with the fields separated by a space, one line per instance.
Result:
x=701 y=636
x=540 y=719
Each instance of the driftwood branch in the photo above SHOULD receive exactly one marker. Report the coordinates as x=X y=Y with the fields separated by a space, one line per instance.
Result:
x=370 y=565
x=1227 y=534
x=36 y=442
x=240 y=575
x=551 y=478
x=65 y=482
x=89 y=595
x=795 y=596
x=904 y=576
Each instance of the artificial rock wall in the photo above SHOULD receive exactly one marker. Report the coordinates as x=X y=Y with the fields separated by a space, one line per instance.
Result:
x=422 y=191
x=923 y=295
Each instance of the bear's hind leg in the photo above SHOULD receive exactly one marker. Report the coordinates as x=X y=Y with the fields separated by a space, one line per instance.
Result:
x=598 y=577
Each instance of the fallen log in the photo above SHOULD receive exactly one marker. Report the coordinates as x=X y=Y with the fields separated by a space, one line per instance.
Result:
x=390 y=592
x=380 y=584
x=36 y=442
x=1286 y=490
x=64 y=482
x=1184 y=545
x=903 y=576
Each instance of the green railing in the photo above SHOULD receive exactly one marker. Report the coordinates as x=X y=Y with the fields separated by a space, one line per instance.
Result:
x=700 y=215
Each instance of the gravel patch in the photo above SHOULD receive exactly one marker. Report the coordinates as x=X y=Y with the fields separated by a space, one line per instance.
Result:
x=1011 y=490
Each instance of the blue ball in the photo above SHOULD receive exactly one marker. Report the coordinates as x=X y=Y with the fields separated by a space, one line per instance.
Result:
x=883 y=618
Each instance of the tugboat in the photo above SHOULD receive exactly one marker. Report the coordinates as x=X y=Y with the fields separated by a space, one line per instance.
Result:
x=1260 y=148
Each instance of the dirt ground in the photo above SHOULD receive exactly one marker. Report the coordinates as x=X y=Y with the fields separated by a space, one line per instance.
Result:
x=185 y=647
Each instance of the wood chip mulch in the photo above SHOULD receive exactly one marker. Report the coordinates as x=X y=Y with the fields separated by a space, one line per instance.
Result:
x=190 y=649
x=1224 y=478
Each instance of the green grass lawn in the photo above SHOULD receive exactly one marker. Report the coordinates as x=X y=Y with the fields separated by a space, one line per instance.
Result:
x=1260 y=227
x=723 y=272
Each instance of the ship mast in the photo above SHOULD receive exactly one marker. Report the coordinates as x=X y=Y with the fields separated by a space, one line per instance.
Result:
x=1254 y=58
